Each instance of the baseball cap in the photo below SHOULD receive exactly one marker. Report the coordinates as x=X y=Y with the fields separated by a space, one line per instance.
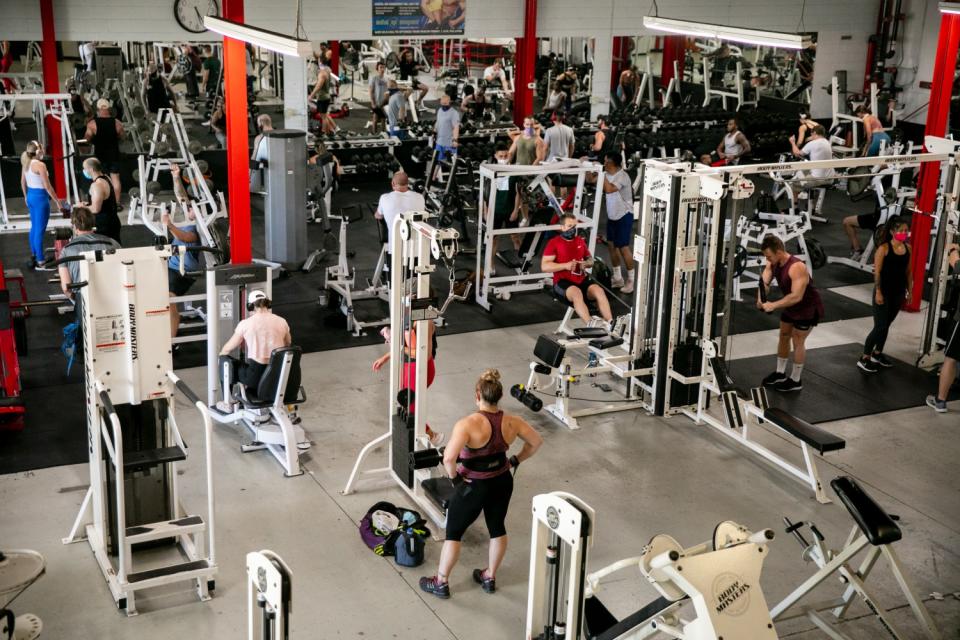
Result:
x=255 y=295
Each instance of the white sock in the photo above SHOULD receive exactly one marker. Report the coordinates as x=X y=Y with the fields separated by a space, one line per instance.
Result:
x=630 y=275
x=796 y=371
x=616 y=274
x=781 y=365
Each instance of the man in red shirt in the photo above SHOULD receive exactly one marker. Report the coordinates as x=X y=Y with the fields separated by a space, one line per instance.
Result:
x=566 y=257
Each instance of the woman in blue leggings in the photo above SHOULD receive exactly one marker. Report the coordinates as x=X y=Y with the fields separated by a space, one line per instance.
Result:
x=35 y=182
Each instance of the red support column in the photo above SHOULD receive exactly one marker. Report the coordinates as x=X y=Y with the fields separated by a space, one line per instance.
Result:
x=51 y=84
x=621 y=59
x=937 y=114
x=674 y=50
x=525 y=64
x=238 y=152
x=335 y=56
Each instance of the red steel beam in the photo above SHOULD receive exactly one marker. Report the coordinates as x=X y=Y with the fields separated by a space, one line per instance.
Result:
x=51 y=84
x=526 y=64
x=929 y=182
x=238 y=152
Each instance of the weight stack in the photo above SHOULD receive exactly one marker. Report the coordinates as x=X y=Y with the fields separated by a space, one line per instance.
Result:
x=402 y=446
x=687 y=361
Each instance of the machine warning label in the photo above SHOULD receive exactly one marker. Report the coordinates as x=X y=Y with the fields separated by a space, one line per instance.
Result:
x=226 y=305
x=109 y=332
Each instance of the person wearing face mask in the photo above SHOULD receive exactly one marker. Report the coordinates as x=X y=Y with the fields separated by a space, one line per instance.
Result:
x=157 y=91
x=893 y=283
x=396 y=110
x=567 y=257
x=103 y=200
x=447 y=129
x=476 y=460
x=505 y=205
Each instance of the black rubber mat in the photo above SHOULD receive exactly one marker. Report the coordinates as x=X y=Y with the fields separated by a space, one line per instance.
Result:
x=746 y=318
x=834 y=388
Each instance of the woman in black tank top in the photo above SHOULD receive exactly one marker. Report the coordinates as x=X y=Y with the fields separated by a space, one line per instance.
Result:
x=893 y=281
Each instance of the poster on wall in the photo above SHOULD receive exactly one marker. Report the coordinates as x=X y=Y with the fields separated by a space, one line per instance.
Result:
x=419 y=17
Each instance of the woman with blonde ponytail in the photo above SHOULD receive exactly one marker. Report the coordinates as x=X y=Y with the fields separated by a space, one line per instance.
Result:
x=476 y=460
x=37 y=190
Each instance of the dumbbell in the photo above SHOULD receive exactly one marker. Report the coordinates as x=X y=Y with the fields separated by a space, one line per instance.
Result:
x=153 y=187
x=138 y=112
x=203 y=166
x=134 y=193
x=194 y=147
x=162 y=148
x=136 y=175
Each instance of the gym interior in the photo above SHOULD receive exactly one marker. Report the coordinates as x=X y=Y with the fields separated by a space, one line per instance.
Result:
x=293 y=293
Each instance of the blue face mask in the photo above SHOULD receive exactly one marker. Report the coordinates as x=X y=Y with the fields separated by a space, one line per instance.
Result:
x=87 y=175
x=569 y=234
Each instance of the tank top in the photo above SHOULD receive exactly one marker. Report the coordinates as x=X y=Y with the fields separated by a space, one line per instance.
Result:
x=108 y=222
x=526 y=150
x=34 y=180
x=893 y=275
x=324 y=93
x=156 y=95
x=106 y=144
x=810 y=306
x=491 y=457
x=730 y=145
x=609 y=143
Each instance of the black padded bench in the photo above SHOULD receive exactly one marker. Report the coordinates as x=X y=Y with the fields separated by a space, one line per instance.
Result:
x=821 y=440
x=440 y=491
x=875 y=523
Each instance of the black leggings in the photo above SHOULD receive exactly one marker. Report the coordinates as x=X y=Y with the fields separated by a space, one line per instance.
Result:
x=883 y=316
x=492 y=497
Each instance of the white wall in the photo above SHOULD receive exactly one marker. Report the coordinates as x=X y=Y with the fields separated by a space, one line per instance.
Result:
x=153 y=19
x=919 y=53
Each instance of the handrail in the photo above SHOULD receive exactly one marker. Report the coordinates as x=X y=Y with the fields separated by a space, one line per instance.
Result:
x=115 y=449
x=208 y=451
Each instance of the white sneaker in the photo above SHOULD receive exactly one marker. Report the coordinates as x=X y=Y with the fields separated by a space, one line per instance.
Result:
x=438 y=438
x=524 y=222
x=627 y=288
x=616 y=283
x=223 y=407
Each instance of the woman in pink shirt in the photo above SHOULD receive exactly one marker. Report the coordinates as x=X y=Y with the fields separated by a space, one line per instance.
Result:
x=259 y=333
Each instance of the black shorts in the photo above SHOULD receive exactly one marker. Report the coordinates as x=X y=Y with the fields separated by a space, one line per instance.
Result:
x=177 y=284
x=492 y=497
x=110 y=166
x=561 y=287
x=868 y=221
x=323 y=106
x=379 y=112
x=952 y=349
x=801 y=325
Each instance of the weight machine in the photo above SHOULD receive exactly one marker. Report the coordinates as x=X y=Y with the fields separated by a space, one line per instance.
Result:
x=265 y=410
x=720 y=578
x=339 y=283
x=134 y=440
x=523 y=278
x=709 y=92
x=410 y=457
x=269 y=589
x=57 y=106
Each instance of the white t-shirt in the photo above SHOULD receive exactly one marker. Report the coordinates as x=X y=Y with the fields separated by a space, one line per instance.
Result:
x=87 y=51
x=620 y=202
x=396 y=202
x=262 y=333
x=819 y=149
x=492 y=73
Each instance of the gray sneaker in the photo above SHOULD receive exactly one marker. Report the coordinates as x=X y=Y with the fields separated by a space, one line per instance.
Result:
x=938 y=405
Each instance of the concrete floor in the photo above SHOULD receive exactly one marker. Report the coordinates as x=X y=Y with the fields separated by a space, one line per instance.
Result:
x=643 y=475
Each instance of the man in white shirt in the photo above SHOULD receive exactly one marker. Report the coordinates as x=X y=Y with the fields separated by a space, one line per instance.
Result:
x=398 y=201
x=618 y=190
x=817 y=148
x=560 y=139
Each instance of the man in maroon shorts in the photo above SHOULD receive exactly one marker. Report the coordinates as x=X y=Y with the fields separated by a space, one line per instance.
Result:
x=566 y=256
x=801 y=308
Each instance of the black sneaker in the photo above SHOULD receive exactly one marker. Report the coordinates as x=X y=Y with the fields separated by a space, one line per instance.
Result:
x=489 y=584
x=774 y=378
x=880 y=359
x=867 y=364
x=430 y=585
x=788 y=385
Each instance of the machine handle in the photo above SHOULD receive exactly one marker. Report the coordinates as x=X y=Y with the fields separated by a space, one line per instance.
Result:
x=795 y=530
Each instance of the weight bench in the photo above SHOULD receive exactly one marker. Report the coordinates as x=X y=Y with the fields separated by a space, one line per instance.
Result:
x=264 y=410
x=875 y=529
x=439 y=490
x=821 y=440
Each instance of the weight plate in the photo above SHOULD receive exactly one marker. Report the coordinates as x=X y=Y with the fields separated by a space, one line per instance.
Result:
x=818 y=257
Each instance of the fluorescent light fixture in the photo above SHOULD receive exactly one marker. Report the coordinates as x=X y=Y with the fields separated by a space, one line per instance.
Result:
x=287 y=45
x=776 y=39
x=950 y=7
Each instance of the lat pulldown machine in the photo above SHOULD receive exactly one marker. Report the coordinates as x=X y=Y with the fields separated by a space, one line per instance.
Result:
x=411 y=457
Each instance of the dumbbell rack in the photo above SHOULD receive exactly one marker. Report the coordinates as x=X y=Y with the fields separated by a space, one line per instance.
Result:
x=351 y=151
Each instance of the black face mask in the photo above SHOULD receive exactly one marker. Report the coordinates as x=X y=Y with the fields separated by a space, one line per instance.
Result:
x=569 y=234
x=445 y=107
